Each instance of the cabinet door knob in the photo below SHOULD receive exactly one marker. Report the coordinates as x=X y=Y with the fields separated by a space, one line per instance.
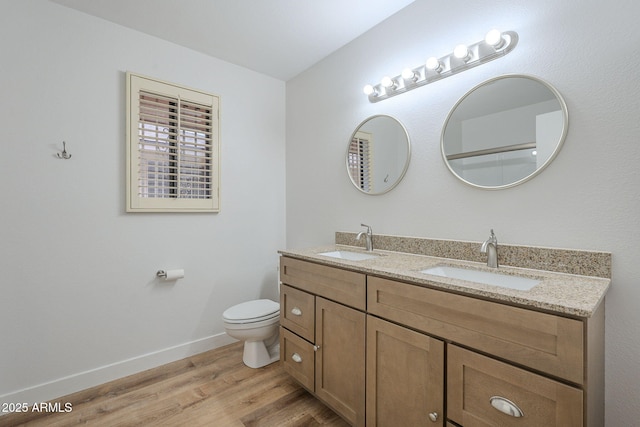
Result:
x=296 y=358
x=506 y=406
x=296 y=311
x=433 y=416
x=316 y=347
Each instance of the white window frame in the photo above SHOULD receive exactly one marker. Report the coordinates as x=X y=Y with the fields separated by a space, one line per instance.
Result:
x=360 y=160
x=190 y=159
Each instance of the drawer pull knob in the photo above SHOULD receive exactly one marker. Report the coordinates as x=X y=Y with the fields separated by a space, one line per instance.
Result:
x=316 y=347
x=296 y=311
x=296 y=358
x=506 y=406
x=433 y=416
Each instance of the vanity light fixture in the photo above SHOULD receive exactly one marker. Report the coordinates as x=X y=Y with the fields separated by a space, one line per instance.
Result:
x=434 y=64
x=462 y=52
x=494 y=45
x=388 y=83
x=495 y=39
x=410 y=75
x=370 y=90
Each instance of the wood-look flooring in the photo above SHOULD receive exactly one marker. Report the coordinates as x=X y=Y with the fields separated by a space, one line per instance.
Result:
x=209 y=389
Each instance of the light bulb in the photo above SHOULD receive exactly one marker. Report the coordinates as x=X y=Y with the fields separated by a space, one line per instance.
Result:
x=462 y=52
x=388 y=82
x=434 y=64
x=369 y=90
x=494 y=38
x=409 y=74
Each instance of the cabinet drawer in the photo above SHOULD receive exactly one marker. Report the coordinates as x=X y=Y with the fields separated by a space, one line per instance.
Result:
x=346 y=287
x=298 y=358
x=544 y=342
x=473 y=381
x=297 y=311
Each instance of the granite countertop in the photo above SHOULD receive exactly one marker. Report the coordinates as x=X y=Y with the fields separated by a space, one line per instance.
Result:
x=561 y=293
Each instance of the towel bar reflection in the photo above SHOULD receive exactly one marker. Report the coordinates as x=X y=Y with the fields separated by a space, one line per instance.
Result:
x=496 y=150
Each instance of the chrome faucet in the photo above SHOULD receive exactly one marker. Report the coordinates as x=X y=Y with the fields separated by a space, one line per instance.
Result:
x=369 y=235
x=490 y=247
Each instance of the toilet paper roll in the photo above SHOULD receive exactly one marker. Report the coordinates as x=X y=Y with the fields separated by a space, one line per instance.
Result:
x=174 y=274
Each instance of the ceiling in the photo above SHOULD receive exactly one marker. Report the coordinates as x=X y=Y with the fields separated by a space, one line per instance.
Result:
x=279 y=38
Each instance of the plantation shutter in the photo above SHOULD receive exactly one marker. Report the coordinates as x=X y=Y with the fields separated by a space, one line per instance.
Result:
x=173 y=148
x=360 y=160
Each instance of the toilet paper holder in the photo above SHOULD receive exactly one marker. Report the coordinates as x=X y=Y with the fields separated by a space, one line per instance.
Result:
x=170 y=274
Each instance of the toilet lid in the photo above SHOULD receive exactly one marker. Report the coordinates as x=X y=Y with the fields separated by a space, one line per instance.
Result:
x=254 y=311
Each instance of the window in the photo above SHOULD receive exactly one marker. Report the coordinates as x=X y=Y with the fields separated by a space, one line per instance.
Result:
x=173 y=148
x=360 y=160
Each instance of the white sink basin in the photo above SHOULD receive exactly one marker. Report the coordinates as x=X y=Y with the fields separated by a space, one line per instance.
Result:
x=485 y=277
x=348 y=255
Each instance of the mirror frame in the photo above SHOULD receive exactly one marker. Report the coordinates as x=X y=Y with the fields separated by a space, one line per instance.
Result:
x=561 y=139
x=406 y=164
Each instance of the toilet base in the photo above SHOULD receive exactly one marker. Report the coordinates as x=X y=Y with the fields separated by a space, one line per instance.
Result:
x=256 y=354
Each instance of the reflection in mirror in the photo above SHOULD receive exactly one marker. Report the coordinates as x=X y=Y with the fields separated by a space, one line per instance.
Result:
x=504 y=131
x=378 y=154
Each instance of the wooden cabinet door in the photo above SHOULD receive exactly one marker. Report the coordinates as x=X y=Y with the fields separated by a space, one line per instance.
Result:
x=405 y=376
x=340 y=359
x=484 y=392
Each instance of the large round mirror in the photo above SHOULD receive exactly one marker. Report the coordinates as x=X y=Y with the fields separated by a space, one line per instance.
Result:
x=378 y=154
x=504 y=131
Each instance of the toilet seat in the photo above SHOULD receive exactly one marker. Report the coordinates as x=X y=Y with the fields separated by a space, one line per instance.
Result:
x=252 y=312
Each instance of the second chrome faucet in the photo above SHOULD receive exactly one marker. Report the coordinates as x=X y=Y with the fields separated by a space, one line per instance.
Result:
x=490 y=247
x=369 y=237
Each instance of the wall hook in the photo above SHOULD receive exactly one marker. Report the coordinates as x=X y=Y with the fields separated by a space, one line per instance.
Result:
x=64 y=154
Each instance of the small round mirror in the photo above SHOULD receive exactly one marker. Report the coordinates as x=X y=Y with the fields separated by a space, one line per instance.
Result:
x=504 y=131
x=378 y=154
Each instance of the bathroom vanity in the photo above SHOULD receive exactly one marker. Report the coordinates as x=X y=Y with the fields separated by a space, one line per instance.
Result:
x=322 y=340
x=384 y=344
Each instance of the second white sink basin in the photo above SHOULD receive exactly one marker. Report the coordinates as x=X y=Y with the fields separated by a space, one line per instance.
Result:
x=485 y=277
x=348 y=255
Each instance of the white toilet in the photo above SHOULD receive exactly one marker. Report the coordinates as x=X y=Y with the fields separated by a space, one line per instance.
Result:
x=256 y=323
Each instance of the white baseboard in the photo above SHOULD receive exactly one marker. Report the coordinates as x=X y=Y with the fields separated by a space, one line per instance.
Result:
x=83 y=380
